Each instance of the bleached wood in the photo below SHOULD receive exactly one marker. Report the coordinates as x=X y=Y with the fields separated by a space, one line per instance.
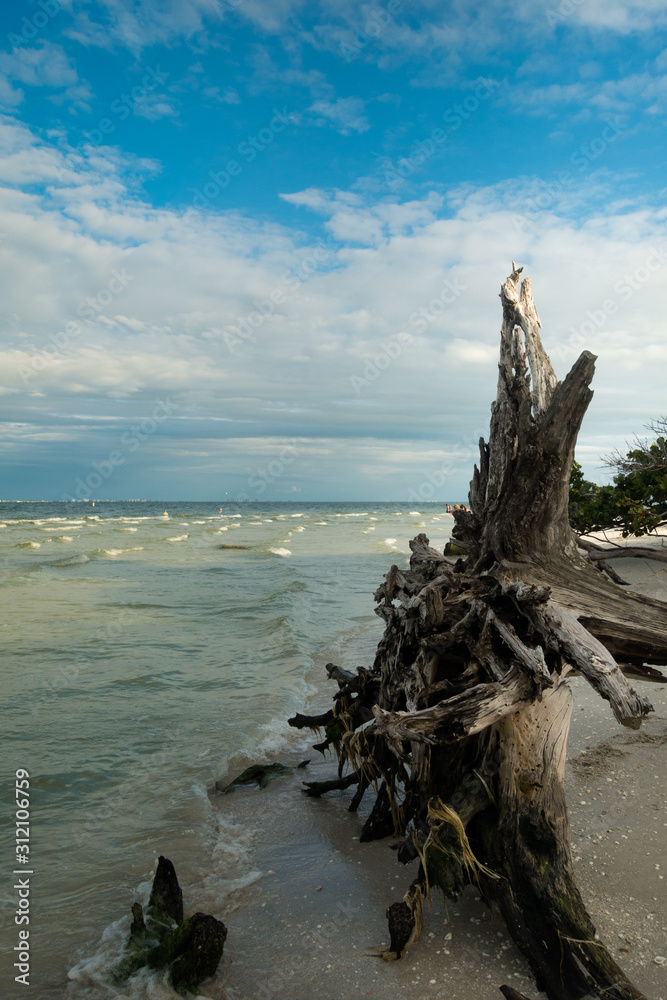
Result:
x=468 y=693
x=600 y=552
x=596 y=664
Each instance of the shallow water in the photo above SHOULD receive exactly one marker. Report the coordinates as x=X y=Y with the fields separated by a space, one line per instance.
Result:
x=142 y=662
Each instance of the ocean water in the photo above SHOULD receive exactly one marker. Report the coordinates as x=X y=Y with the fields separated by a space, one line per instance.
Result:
x=144 y=661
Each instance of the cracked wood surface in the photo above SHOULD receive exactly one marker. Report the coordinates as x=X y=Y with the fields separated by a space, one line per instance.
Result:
x=461 y=723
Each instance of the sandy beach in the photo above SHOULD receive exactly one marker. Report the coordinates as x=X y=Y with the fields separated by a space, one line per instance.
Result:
x=284 y=284
x=308 y=927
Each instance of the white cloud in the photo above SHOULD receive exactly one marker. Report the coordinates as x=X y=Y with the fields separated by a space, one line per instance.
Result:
x=226 y=96
x=351 y=219
x=40 y=65
x=269 y=15
x=254 y=333
x=10 y=96
x=439 y=42
x=638 y=92
x=77 y=97
x=309 y=198
x=622 y=16
x=268 y=73
x=155 y=107
x=471 y=352
x=363 y=30
x=138 y=25
x=346 y=114
x=25 y=160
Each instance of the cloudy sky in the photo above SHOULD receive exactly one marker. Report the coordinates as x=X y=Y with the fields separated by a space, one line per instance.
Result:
x=254 y=247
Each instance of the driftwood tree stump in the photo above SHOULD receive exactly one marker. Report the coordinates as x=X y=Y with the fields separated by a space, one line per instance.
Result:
x=190 y=949
x=461 y=724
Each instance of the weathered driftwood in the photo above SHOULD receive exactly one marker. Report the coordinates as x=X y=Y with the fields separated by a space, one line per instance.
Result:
x=190 y=949
x=511 y=994
x=598 y=552
x=466 y=743
x=259 y=774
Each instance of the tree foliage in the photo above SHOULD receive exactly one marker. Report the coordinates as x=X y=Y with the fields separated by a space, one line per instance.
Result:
x=644 y=456
x=636 y=502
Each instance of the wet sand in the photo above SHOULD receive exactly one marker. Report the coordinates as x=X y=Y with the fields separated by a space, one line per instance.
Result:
x=307 y=927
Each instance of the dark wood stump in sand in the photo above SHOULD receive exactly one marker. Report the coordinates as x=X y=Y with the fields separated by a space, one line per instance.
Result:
x=468 y=693
x=190 y=949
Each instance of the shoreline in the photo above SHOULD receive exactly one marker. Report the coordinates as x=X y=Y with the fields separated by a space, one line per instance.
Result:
x=308 y=927
x=304 y=902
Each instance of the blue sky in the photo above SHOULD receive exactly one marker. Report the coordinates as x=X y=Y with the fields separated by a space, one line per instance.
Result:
x=254 y=248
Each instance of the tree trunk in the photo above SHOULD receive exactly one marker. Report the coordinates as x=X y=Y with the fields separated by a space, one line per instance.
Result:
x=190 y=949
x=468 y=692
x=518 y=520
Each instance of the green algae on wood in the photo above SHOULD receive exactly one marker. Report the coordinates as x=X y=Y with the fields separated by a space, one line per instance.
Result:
x=258 y=774
x=190 y=949
x=460 y=725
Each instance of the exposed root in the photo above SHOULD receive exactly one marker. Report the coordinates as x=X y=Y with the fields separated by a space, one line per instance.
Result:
x=441 y=813
x=460 y=724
